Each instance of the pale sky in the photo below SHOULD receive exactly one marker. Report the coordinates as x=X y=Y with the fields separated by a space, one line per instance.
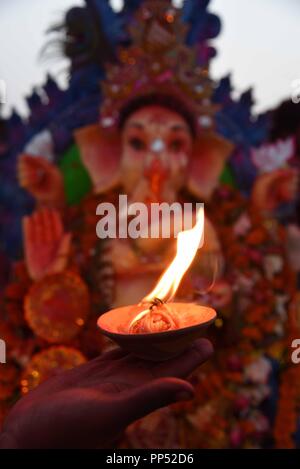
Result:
x=259 y=45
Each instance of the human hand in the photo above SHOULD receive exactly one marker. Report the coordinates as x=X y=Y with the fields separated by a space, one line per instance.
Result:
x=42 y=179
x=91 y=405
x=45 y=243
x=272 y=189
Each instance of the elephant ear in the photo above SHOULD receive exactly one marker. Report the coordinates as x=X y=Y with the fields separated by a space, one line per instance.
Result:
x=209 y=157
x=100 y=150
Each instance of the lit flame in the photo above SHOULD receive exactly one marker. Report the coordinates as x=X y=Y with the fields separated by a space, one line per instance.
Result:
x=188 y=243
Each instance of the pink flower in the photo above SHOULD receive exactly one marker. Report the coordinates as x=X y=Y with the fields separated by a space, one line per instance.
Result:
x=242 y=225
x=234 y=363
x=236 y=437
x=258 y=371
x=241 y=403
x=270 y=157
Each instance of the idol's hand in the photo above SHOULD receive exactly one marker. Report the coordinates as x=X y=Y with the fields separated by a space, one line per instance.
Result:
x=42 y=179
x=272 y=189
x=45 y=243
x=91 y=405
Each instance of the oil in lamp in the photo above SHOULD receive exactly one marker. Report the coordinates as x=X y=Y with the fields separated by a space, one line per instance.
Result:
x=157 y=328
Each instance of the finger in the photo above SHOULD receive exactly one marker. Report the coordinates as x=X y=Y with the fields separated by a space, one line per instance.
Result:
x=137 y=403
x=114 y=354
x=28 y=231
x=185 y=364
x=31 y=173
x=56 y=225
x=34 y=177
x=23 y=173
x=95 y=367
x=64 y=247
x=38 y=227
x=26 y=164
x=31 y=231
x=29 y=244
x=105 y=358
x=61 y=258
x=50 y=224
x=45 y=217
x=23 y=161
x=25 y=180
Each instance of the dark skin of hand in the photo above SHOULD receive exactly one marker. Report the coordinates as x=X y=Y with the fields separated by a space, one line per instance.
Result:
x=91 y=405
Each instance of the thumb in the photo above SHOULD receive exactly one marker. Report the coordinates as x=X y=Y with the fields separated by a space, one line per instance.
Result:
x=143 y=400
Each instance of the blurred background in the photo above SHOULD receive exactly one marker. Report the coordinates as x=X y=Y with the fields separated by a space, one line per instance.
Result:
x=258 y=45
x=248 y=395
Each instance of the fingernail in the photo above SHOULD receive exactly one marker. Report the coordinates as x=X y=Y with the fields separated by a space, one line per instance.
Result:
x=184 y=396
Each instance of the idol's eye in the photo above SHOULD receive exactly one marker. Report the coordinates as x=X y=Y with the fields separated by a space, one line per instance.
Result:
x=176 y=145
x=137 y=144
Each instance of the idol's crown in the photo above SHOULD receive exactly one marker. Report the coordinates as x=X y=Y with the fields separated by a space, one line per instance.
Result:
x=158 y=61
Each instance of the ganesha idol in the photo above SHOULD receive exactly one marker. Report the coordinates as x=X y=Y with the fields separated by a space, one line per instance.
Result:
x=155 y=142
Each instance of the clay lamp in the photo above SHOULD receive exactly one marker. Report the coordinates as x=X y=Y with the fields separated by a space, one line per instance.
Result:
x=157 y=328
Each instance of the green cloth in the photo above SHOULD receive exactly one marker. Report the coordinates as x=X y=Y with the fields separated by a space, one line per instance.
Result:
x=227 y=177
x=77 y=181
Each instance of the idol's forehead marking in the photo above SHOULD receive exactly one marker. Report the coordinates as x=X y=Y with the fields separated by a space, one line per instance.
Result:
x=179 y=127
x=172 y=126
x=135 y=125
